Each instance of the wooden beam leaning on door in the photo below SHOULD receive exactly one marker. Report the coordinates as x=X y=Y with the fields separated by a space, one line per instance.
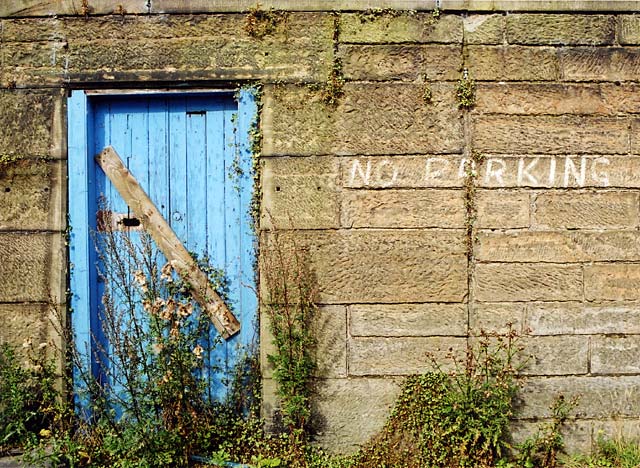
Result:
x=177 y=255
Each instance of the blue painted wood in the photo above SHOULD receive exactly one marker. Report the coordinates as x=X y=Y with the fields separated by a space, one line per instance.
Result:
x=248 y=301
x=191 y=154
x=80 y=180
x=158 y=142
x=232 y=219
x=196 y=179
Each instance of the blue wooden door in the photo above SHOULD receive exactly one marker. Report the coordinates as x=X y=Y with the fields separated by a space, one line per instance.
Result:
x=190 y=153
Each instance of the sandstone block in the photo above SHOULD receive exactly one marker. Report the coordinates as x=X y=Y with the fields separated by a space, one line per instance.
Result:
x=629 y=30
x=615 y=354
x=26 y=122
x=496 y=317
x=613 y=282
x=501 y=282
x=401 y=355
x=600 y=64
x=559 y=29
x=401 y=62
x=66 y=7
x=513 y=63
x=347 y=412
x=571 y=318
x=599 y=397
x=30 y=195
x=402 y=172
x=267 y=348
x=31 y=264
x=371 y=119
x=299 y=195
x=182 y=47
x=419 y=27
x=45 y=55
x=402 y=208
x=556 y=355
x=501 y=209
x=551 y=134
x=586 y=210
x=408 y=320
x=484 y=29
x=558 y=247
x=199 y=57
x=371 y=266
x=616 y=429
x=270 y=403
x=635 y=138
x=21 y=322
x=577 y=435
x=557 y=98
x=386 y=119
x=313 y=27
x=329 y=328
x=295 y=122
x=36 y=64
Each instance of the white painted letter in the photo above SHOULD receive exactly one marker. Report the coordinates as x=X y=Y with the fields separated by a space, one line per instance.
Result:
x=570 y=167
x=602 y=177
x=394 y=173
x=522 y=171
x=357 y=167
x=552 y=172
x=497 y=173
x=464 y=167
x=432 y=174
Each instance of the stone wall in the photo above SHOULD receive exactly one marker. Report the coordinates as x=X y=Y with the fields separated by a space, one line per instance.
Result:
x=378 y=185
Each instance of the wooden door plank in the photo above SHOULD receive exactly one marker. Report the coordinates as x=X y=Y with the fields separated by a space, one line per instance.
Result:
x=231 y=202
x=179 y=189
x=79 y=209
x=247 y=113
x=215 y=185
x=158 y=151
x=139 y=127
x=168 y=242
x=120 y=139
x=196 y=239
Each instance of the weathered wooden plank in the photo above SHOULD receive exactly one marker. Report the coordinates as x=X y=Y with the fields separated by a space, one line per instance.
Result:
x=178 y=167
x=159 y=145
x=167 y=241
x=196 y=187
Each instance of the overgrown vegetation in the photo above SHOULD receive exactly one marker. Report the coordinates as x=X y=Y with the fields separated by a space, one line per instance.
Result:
x=333 y=89
x=427 y=92
x=544 y=448
x=290 y=306
x=255 y=148
x=610 y=453
x=149 y=402
x=260 y=23
x=30 y=407
x=147 y=398
x=466 y=91
x=471 y=169
x=452 y=419
x=8 y=159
